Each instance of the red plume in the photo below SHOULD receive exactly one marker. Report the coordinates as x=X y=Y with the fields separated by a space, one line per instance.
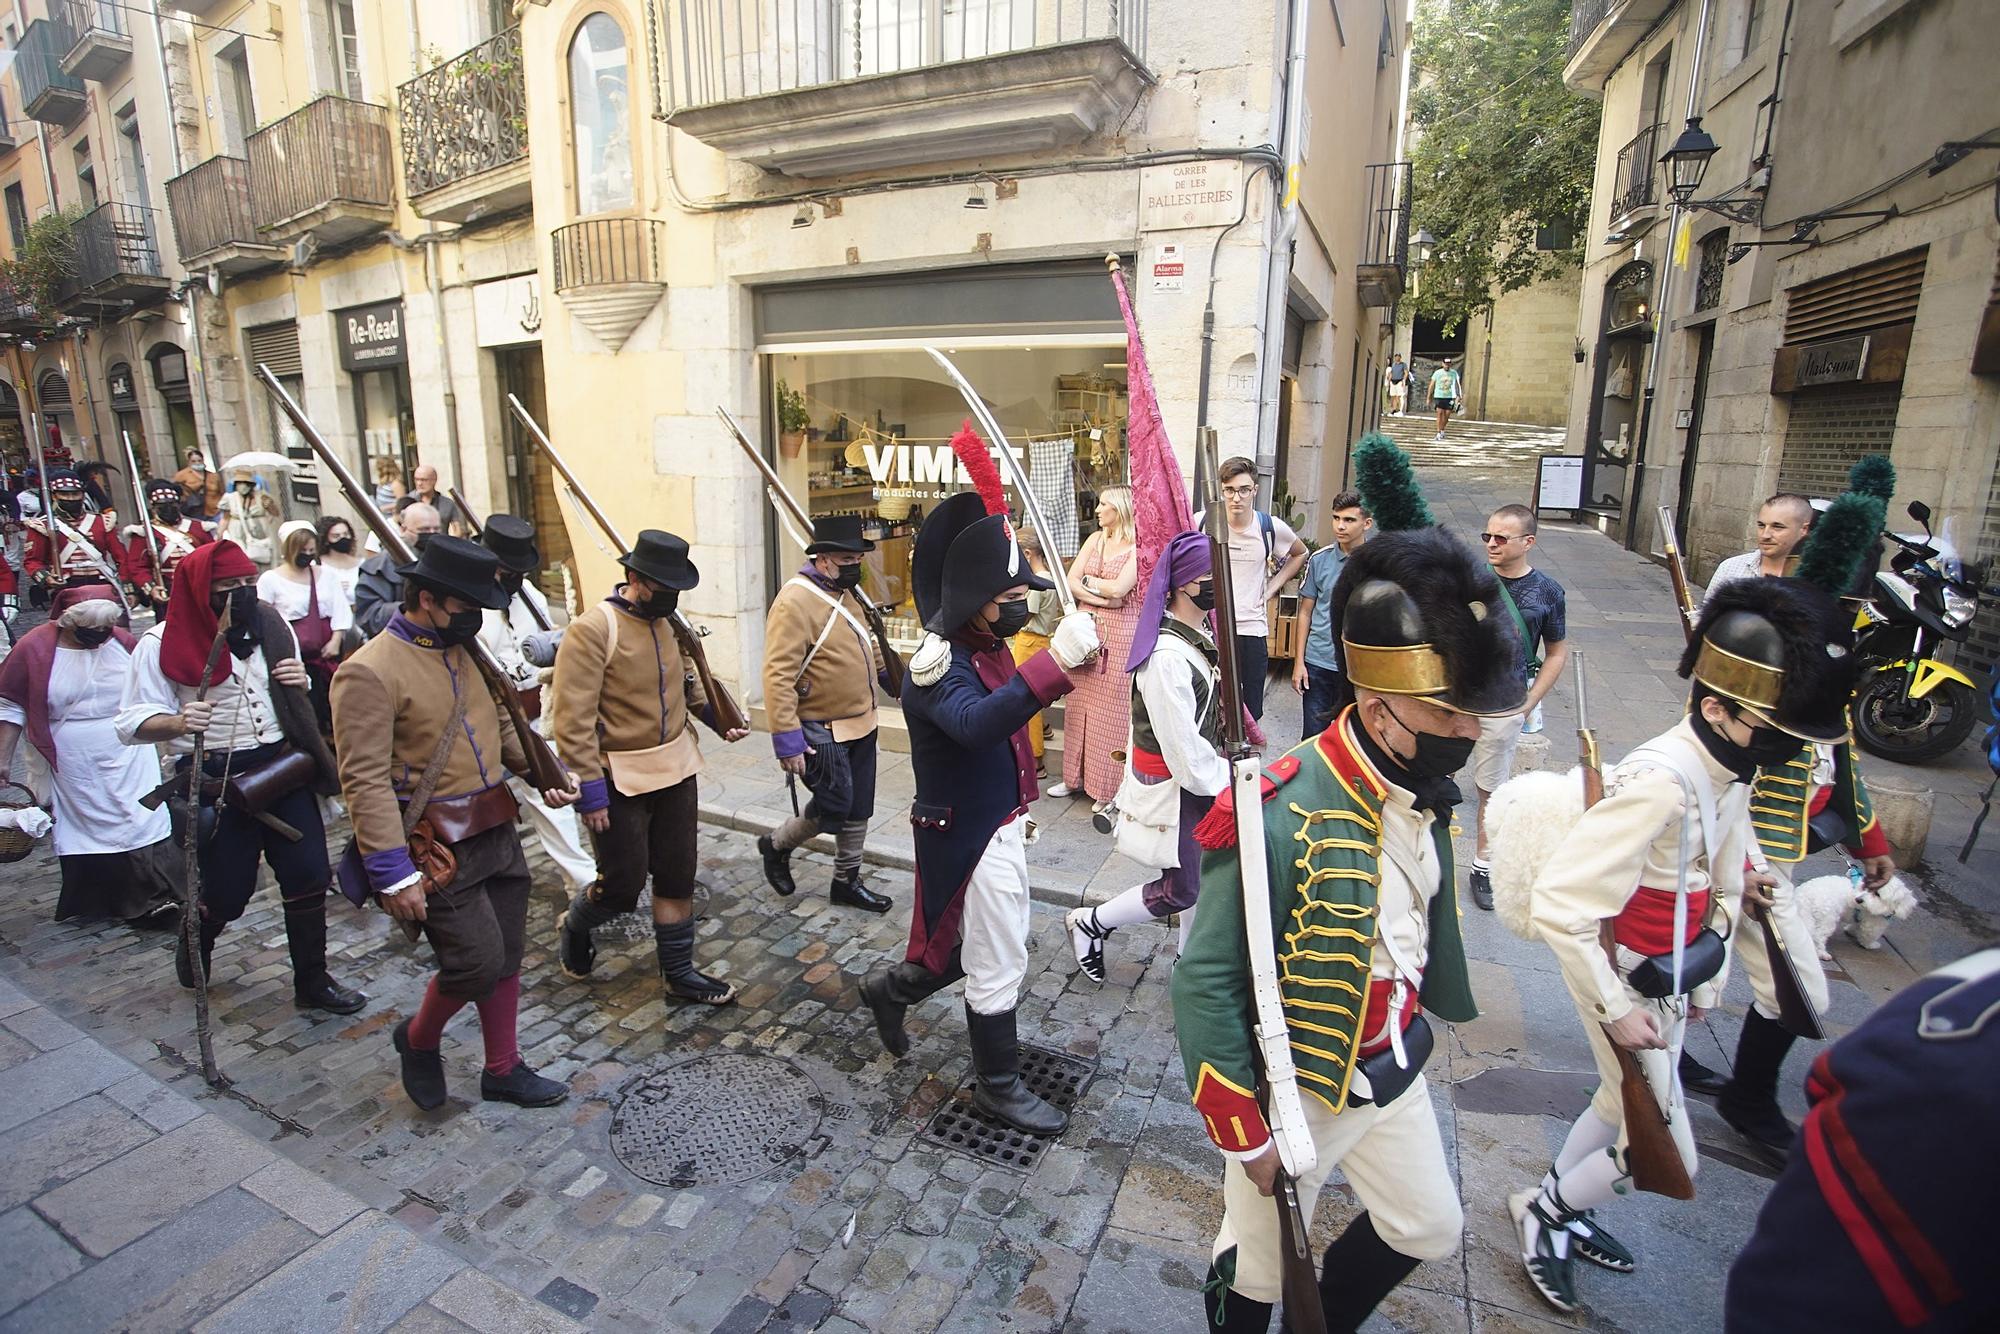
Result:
x=979 y=465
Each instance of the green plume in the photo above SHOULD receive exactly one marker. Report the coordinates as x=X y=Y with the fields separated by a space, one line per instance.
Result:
x=1873 y=475
x=1841 y=539
x=1387 y=485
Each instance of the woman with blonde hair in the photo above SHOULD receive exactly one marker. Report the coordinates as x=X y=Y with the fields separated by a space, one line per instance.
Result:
x=1098 y=714
x=388 y=483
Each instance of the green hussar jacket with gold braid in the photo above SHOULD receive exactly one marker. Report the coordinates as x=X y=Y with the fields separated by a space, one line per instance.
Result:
x=1785 y=804
x=1323 y=806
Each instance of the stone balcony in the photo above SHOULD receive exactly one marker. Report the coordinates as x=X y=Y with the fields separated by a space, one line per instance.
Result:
x=96 y=36
x=1601 y=34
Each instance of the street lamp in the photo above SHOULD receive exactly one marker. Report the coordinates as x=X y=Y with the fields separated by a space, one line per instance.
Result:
x=1687 y=161
x=1422 y=246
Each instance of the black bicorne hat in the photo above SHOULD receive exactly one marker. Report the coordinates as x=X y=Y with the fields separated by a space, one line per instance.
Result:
x=838 y=532
x=984 y=562
x=1419 y=614
x=941 y=527
x=463 y=569
x=663 y=558
x=1777 y=649
x=512 y=539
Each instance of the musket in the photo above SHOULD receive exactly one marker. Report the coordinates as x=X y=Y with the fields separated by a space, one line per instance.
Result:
x=55 y=567
x=472 y=522
x=791 y=513
x=726 y=712
x=1677 y=571
x=1031 y=506
x=1278 y=1085
x=145 y=515
x=1651 y=1156
x=545 y=772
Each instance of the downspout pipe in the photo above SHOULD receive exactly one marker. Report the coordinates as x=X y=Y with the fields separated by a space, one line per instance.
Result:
x=1278 y=262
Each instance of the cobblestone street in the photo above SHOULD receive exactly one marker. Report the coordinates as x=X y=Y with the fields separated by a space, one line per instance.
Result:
x=136 y=1198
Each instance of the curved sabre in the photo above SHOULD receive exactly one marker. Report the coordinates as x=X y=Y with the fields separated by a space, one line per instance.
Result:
x=1030 y=506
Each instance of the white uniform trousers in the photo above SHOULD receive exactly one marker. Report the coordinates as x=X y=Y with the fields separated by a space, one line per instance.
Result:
x=1794 y=931
x=562 y=837
x=993 y=929
x=1392 y=1156
x=1661 y=1068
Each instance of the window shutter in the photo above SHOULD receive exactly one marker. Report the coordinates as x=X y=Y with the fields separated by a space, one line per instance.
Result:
x=276 y=346
x=1869 y=297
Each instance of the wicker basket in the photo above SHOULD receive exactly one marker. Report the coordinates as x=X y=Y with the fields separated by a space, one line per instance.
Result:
x=14 y=844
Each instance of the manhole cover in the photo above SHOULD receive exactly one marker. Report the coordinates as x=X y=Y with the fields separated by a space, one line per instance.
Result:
x=962 y=1128
x=714 y=1120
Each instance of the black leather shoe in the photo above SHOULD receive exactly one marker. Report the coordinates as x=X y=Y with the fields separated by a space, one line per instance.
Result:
x=327 y=994
x=1762 y=1123
x=1698 y=1078
x=1481 y=884
x=573 y=945
x=423 y=1071
x=777 y=867
x=522 y=1087
x=854 y=894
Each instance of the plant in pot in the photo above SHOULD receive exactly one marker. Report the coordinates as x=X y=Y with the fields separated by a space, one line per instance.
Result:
x=793 y=419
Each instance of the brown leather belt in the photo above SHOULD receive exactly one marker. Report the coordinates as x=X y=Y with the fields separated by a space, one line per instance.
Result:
x=458 y=818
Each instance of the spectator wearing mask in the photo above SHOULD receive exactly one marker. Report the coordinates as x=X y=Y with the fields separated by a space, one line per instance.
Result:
x=378 y=589
x=340 y=553
x=248 y=516
x=201 y=488
x=308 y=596
x=1098 y=717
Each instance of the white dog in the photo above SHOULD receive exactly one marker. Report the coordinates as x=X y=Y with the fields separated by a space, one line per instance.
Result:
x=1832 y=901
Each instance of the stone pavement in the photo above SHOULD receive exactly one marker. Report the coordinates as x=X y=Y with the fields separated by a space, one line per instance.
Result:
x=312 y=1195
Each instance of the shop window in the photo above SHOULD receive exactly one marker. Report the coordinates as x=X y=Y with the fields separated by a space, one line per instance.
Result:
x=867 y=431
x=600 y=115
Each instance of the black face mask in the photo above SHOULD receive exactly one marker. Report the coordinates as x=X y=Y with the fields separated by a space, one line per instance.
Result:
x=1013 y=616
x=167 y=511
x=343 y=545
x=304 y=559
x=1203 y=596
x=1767 y=746
x=510 y=582
x=660 y=604
x=460 y=626
x=420 y=541
x=1435 y=756
x=69 y=509
x=847 y=576
x=241 y=604
x=93 y=637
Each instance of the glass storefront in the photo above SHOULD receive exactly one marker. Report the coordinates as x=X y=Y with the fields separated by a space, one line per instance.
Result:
x=865 y=428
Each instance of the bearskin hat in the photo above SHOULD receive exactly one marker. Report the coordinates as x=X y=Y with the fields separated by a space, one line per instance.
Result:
x=1776 y=647
x=1419 y=613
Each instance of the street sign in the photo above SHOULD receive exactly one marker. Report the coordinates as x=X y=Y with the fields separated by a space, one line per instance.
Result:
x=1208 y=193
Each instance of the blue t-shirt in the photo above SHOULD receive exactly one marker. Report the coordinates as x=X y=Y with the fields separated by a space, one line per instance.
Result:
x=1322 y=573
x=1540 y=602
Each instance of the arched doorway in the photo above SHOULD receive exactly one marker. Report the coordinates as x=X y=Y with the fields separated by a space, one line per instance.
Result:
x=1625 y=329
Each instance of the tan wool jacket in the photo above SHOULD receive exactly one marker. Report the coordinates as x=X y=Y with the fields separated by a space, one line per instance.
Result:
x=634 y=697
x=840 y=683
x=392 y=689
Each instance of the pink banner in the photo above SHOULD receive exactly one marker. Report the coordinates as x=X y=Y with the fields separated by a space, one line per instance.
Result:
x=1159 y=495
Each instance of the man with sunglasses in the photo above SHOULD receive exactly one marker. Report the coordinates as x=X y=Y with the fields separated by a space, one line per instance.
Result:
x=1535 y=604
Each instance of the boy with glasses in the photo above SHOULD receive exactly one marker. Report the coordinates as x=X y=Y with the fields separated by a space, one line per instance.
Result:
x=1264 y=554
x=1534 y=602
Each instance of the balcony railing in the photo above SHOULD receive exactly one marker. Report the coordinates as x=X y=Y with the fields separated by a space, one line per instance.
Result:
x=18 y=313
x=727 y=50
x=94 y=37
x=213 y=218
x=1385 y=244
x=467 y=116
x=117 y=256
x=600 y=252
x=326 y=169
x=48 y=94
x=1636 y=184
x=1584 y=16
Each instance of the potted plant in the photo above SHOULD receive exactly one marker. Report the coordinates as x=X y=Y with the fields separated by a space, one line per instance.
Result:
x=793 y=420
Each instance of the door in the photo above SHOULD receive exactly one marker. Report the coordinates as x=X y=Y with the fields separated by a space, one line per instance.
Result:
x=531 y=481
x=239 y=109
x=1691 y=450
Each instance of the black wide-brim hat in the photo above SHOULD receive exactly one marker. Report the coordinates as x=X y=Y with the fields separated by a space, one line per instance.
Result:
x=663 y=558
x=984 y=562
x=1419 y=613
x=1778 y=649
x=448 y=564
x=512 y=539
x=839 y=532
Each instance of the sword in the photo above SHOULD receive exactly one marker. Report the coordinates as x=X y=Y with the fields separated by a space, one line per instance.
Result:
x=1030 y=506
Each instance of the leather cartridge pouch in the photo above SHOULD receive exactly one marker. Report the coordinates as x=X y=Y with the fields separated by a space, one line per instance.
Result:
x=1653 y=977
x=459 y=818
x=531 y=701
x=1388 y=1081
x=255 y=791
x=637 y=772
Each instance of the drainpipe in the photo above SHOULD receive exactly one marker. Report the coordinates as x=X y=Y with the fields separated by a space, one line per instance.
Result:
x=1663 y=311
x=1278 y=262
x=430 y=241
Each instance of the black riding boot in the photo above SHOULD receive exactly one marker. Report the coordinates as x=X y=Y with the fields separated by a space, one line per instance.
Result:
x=1231 y=1312
x=183 y=969
x=999 y=1092
x=1358 y=1271
x=1750 y=1100
x=890 y=992
x=684 y=981
x=305 y=933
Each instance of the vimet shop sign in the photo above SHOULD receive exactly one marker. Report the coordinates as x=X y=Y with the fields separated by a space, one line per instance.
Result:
x=1838 y=361
x=371 y=337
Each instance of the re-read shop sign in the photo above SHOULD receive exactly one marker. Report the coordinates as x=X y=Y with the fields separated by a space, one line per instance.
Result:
x=371 y=337
x=1190 y=194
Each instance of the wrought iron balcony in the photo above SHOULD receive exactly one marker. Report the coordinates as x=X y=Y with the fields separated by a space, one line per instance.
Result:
x=465 y=133
x=95 y=37
x=820 y=90
x=1602 y=33
x=325 y=171
x=214 y=224
x=1636 y=184
x=1385 y=247
x=608 y=272
x=18 y=314
x=48 y=93
x=116 y=259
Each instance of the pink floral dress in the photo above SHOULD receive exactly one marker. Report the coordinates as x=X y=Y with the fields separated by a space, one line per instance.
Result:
x=1097 y=715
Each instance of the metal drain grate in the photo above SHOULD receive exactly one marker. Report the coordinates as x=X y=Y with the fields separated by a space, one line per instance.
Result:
x=1054 y=1076
x=714 y=1120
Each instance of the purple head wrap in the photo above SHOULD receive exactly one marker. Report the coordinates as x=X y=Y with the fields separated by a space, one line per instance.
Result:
x=1185 y=560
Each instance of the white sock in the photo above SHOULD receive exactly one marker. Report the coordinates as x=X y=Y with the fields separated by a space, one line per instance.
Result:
x=1589 y=1184
x=1591 y=1134
x=1481 y=864
x=1187 y=926
x=1128 y=909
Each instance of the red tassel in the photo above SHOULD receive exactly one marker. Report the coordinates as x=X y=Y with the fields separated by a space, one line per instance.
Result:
x=979 y=466
x=1217 y=829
